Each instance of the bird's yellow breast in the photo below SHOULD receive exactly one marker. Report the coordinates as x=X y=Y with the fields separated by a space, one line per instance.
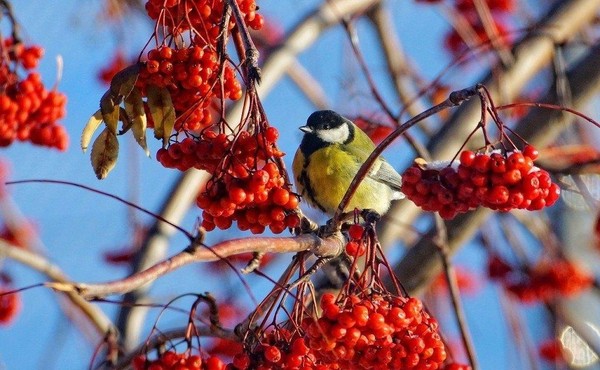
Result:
x=325 y=177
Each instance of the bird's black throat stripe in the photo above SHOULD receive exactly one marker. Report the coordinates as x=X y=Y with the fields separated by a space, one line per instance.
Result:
x=308 y=189
x=351 y=131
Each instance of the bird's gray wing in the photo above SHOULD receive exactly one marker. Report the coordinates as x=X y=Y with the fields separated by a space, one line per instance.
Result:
x=387 y=175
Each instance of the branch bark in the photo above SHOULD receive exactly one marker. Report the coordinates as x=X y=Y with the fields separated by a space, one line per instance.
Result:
x=323 y=247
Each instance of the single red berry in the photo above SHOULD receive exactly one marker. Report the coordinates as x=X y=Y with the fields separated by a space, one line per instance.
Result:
x=531 y=152
x=356 y=231
x=482 y=163
x=281 y=196
x=272 y=354
x=467 y=158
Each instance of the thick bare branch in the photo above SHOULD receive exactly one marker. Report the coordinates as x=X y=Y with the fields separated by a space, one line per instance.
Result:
x=331 y=245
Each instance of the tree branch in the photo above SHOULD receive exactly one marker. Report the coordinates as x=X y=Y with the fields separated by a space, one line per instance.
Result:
x=322 y=247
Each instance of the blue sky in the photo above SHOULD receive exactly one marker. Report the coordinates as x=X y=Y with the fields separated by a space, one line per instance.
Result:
x=77 y=226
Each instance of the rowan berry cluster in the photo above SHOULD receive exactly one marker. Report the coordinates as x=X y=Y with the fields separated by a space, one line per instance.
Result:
x=548 y=281
x=280 y=350
x=172 y=360
x=28 y=111
x=204 y=15
x=192 y=73
x=375 y=331
x=193 y=78
x=10 y=304
x=499 y=181
x=247 y=185
x=545 y=282
x=373 y=128
x=456 y=45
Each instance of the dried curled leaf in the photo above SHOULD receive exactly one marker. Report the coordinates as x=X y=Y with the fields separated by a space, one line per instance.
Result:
x=162 y=111
x=110 y=112
x=134 y=106
x=89 y=129
x=104 y=153
x=123 y=82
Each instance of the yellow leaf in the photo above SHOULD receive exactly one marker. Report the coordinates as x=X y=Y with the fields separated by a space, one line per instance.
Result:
x=162 y=111
x=134 y=106
x=110 y=112
x=104 y=153
x=89 y=129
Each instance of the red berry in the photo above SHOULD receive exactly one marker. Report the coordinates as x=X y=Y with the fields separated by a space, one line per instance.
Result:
x=467 y=158
x=281 y=196
x=482 y=163
x=531 y=152
x=356 y=231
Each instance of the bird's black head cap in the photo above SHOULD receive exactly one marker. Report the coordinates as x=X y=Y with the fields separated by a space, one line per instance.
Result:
x=324 y=120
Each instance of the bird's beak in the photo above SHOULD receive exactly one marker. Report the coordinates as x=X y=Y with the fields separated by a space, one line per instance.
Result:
x=305 y=129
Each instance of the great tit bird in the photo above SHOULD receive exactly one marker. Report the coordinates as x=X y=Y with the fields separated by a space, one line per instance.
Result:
x=331 y=152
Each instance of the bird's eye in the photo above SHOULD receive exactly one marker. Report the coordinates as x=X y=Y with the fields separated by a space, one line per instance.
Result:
x=326 y=127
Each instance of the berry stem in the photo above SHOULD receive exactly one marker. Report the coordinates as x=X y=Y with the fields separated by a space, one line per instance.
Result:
x=250 y=59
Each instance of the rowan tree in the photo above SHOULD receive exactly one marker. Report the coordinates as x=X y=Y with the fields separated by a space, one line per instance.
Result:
x=489 y=116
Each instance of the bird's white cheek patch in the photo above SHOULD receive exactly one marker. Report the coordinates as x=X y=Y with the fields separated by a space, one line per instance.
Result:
x=334 y=135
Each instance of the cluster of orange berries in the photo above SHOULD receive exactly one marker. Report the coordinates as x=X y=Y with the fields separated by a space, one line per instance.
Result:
x=499 y=181
x=280 y=350
x=259 y=200
x=200 y=15
x=376 y=331
x=247 y=185
x=545 y=282
x=28 y=111
x=172 y=360
x=191 y=74
x=454 y=42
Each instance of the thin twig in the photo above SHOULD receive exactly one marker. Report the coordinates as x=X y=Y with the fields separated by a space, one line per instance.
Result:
x=441 y=240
